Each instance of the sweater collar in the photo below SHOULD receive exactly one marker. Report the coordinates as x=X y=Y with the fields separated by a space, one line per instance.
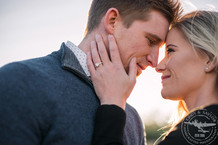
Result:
x=70 y=62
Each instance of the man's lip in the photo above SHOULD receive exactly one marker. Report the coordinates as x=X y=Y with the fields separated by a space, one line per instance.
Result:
x=139 y=70
x=141 y=66
x=165 y=77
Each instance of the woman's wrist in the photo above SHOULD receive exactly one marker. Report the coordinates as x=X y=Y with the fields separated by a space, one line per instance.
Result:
x=119 y=103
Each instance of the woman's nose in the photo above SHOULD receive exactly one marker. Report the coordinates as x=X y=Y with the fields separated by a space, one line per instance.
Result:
x=160 y=67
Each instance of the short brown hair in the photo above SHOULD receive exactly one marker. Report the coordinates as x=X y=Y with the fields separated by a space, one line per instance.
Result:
x=131 y=10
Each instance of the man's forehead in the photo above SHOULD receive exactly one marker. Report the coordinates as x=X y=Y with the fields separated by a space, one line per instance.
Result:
x=159 y=26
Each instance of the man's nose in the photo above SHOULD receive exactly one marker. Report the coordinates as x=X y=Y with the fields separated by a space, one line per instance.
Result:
x=152 y=58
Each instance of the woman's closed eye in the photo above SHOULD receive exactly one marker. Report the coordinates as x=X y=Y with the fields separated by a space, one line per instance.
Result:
x=169 y=50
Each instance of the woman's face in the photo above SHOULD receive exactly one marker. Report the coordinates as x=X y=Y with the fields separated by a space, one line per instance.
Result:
x=182 y=68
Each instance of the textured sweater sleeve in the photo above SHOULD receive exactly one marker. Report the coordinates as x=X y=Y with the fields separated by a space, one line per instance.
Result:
x=18 y=123
x=109 y=125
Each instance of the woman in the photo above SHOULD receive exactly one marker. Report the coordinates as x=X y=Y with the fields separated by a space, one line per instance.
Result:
x=189 y=75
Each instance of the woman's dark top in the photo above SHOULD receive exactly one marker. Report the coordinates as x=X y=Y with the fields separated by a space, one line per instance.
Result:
x=199 y=127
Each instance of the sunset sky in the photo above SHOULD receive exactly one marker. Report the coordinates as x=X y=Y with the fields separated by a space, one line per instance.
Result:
x=31 y=29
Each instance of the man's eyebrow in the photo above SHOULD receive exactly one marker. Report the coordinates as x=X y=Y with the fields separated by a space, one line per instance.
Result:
x=157 y=39
x=171 y=45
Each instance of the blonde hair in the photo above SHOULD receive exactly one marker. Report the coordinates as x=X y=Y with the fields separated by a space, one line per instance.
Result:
x=200 y=28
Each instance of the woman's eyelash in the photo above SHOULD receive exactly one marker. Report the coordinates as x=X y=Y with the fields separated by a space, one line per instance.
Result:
x=168 y=50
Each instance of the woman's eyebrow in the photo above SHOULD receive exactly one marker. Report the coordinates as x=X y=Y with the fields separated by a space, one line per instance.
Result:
x=169 y=45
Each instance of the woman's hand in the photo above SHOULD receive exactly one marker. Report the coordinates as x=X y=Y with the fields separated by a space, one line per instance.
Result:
x=112 y=84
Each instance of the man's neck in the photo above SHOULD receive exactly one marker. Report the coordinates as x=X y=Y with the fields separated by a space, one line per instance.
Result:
x=85 y=44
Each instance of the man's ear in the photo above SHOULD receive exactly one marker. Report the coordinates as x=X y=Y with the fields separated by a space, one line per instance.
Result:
x=111 y=18
x=210 y=66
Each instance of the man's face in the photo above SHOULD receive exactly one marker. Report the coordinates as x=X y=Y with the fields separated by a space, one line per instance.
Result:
x=142 y=40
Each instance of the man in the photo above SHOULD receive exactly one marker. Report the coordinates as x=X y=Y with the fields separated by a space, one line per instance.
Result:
x=51 y=100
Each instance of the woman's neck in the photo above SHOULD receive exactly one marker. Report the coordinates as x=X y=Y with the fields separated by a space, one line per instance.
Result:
x=204 y=97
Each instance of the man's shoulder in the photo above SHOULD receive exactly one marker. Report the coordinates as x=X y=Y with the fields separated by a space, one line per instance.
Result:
x=23 y=74
x=29 y=65
x=133 y=116
x=130 y=110
x=14 y=70
x=134 y=129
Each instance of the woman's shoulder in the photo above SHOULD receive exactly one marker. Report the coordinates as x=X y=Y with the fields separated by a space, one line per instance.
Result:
x=213 y=109
x=199 y=127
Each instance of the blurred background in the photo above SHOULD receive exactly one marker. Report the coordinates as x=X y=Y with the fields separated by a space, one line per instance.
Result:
x=35 y=28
